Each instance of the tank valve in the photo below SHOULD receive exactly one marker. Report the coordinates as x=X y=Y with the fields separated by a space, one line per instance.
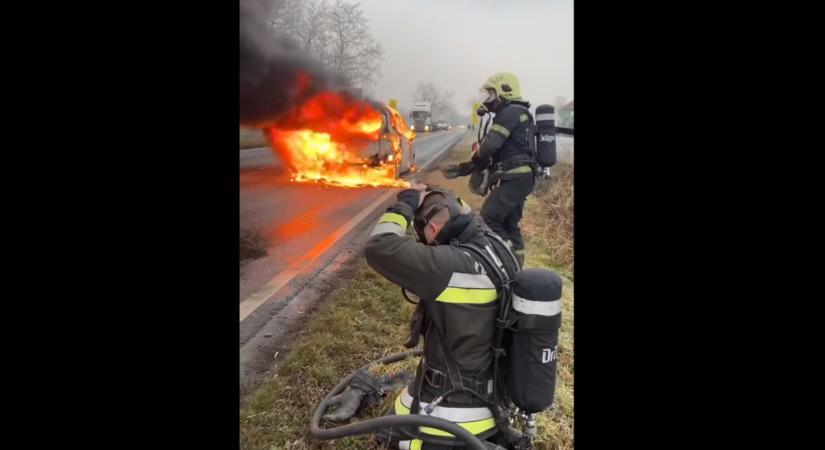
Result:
x=545 y=172
x=530 y=426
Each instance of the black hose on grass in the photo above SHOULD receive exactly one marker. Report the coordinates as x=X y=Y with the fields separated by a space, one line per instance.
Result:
x=373 y=425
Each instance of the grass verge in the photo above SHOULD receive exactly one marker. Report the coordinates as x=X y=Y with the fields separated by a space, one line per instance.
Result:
x=366 y=318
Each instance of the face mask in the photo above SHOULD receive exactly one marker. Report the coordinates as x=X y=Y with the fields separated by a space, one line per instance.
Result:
x=491 y=102
x=486 y=95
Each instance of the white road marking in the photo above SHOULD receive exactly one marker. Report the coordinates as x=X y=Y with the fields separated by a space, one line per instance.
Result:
x=254 y=301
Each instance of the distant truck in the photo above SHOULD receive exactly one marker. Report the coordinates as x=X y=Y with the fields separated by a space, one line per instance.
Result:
x=421 y=115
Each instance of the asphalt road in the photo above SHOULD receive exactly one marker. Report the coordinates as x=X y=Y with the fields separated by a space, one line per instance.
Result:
x=282 y=222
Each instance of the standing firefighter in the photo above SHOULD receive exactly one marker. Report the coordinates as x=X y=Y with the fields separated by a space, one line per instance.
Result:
x=508 y=153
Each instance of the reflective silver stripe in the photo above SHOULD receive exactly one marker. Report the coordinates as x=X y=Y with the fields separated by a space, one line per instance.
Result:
x=469 y=280
x=493 y=254
x=525 y=306
x=546 y=116
x=456 y=415
x=406 y=398
x=414 y=444
x=459 y=415
x=387 y=227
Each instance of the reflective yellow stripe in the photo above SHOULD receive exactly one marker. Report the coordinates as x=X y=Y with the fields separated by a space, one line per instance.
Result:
x=501 y=129
x=414 y=444
x=462 y=295
x=523 y=117
x=520 y=169
x=476 y=427
x=387 y=227
x=400 y=409
x=394 y=218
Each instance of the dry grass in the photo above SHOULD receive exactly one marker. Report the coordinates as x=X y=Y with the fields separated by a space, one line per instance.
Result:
x=547 y=225
x=366 y=318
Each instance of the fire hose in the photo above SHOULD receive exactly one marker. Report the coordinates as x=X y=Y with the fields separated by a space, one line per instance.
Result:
x=373 y=425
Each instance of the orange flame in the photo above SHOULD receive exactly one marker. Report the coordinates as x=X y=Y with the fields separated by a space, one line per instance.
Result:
x=337 y=140
x=401 y=125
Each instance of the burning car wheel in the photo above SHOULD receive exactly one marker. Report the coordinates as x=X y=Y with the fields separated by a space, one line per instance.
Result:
x=406 y=163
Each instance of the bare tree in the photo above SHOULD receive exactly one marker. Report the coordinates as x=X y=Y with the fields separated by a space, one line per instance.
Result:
x=306 y=21
x=440 y=101
x=559 y=102
x=336 y=33
x=354 y=52
x=452 y=115
x=425 y=92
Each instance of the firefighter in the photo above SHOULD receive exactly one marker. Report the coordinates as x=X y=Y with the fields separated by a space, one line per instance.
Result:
x=508 y=151
x=456 y=311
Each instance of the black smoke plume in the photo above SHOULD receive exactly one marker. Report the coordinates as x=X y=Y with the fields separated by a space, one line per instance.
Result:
x=275 y=74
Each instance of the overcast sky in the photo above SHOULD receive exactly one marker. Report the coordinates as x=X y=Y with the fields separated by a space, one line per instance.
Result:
x=457 y=44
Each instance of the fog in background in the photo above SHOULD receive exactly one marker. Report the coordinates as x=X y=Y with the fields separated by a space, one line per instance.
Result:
x=457 y=44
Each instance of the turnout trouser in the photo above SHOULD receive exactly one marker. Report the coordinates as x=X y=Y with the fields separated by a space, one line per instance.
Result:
x=503 y=209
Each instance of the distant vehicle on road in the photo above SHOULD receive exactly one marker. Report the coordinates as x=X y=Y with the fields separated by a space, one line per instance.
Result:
x=421 y=115
x=441 y=125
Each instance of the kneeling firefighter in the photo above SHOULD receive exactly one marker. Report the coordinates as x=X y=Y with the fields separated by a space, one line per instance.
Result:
x=508 y=159
x=490 y=332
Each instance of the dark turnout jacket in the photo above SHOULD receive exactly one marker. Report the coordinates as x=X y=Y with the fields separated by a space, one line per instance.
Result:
x=454 y=287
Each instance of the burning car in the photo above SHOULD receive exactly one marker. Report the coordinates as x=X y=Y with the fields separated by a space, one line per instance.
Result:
x=395 y=142
x=337 y=139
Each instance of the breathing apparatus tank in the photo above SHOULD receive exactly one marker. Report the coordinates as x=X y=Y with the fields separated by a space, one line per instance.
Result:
x=532 y=347
x=546 y=136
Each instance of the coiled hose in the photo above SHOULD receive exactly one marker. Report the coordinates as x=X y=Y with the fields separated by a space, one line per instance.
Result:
x=373 y=425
